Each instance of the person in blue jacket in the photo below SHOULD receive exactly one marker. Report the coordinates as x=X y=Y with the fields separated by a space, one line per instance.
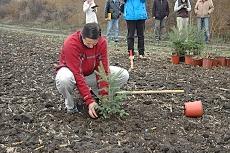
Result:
x=135 y=14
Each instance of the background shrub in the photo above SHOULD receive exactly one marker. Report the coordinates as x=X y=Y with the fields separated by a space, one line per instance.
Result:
x=70 y=12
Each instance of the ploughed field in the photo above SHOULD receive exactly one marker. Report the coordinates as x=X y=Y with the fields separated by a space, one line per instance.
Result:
x=33 y=117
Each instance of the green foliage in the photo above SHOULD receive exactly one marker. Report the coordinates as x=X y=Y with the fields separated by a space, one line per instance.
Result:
x=187 y=41
x=177 y=41
x=111 y=104
x=195 y=41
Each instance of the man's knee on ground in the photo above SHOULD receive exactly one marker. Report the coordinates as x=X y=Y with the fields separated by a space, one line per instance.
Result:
x=64 y=77
x=124 y=77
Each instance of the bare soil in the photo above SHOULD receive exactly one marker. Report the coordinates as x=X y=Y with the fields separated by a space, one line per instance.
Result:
x=33 y=117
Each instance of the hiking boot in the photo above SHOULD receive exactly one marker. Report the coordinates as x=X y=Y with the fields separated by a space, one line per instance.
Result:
x=82 y=108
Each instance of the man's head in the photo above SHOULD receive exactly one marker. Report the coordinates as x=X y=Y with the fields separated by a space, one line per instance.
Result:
x=90 y=34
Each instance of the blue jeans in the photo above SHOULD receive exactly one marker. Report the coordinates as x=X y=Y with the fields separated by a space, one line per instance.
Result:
x=113 y=29
x=203 y=24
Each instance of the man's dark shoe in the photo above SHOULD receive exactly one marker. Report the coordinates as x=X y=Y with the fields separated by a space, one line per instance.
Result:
x=82 y=108
x=116 y=40
x=73 y=110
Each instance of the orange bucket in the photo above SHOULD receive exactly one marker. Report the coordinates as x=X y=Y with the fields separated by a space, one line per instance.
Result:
x=193 y=109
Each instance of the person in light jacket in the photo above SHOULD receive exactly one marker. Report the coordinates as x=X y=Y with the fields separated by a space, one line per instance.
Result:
x=182 y=8
x=203 y=10
x=90 y=9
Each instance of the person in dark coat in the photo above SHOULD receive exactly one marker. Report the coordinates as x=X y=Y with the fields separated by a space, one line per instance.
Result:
x=160 y=12
x=112 y=15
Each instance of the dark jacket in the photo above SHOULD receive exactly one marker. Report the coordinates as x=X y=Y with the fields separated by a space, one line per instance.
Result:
x=113 y=8
x=182 y=8
x=160 y=9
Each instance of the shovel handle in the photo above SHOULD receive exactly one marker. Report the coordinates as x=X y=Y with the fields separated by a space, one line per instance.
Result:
x=131 y=63
x=150 y=92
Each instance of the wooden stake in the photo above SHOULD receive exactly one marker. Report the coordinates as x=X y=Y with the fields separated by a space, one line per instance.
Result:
x=131 y=63
x=150 y=92
x=131 y=57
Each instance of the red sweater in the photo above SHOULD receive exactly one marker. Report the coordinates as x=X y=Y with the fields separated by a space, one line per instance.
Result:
x=83 y=61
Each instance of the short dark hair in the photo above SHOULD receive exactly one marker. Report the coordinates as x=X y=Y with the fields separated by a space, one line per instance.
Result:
x=91 y=30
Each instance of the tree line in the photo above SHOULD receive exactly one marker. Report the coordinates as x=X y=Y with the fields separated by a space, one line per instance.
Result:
x=70 y=12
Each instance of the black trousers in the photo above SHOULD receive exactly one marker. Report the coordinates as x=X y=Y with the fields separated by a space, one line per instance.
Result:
x=139 y=27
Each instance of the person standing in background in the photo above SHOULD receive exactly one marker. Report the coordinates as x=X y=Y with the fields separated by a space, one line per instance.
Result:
x=135 y=14
x=203 y=9
x=182 y=8
x=160 y=12
x=112 y=14
x=90 y=9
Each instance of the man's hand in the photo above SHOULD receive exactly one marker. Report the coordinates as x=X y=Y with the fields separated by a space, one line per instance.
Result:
x=92 y=112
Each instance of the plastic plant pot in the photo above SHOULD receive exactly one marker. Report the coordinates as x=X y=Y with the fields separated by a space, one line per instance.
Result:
x=188 y=59
x=215 y=63
x=207 y=62
x=197 y=62
x=228 y=62
x=193 y=109
x=175 y=58
x=221 y=60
